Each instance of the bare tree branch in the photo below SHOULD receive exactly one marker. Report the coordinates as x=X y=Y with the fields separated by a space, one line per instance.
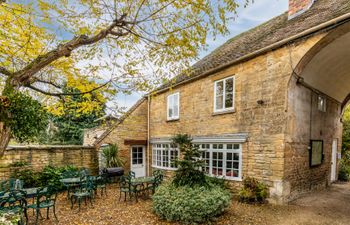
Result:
x=22 y=76
x=66 y=94
x=46 y=82
x=5 y=71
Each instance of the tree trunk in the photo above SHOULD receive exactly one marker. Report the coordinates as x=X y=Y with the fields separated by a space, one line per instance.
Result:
x=5 y=136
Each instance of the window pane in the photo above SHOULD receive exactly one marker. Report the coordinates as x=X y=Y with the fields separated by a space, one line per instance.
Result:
x=229 y=86
x=219 y=88
x=170 y=106
x=176 y=111
x=170 y=112
x=229 y=93
x=229 y=101
x=236 y=156
x=219 y=102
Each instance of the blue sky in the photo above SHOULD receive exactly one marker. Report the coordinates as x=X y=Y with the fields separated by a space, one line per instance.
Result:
x=258 y=12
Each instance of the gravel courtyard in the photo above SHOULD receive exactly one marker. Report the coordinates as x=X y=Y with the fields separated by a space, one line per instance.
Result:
x=325 y=207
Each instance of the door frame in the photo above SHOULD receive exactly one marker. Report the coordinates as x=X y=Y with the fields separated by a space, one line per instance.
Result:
x=334 y=160
x=143 y=158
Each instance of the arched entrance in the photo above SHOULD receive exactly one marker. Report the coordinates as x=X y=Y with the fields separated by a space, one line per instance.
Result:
x=317 y=93
x=326 y=66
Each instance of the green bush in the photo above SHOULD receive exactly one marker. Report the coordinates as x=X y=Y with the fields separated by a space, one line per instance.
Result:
x=253 y=191
x=50 y=175
x=29 y=177
x=344 y=171
x=190 y=204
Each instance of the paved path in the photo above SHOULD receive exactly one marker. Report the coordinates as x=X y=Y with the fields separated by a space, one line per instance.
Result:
x=330 y=206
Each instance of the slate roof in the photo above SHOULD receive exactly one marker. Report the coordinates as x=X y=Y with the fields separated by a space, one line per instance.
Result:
x=273 y=31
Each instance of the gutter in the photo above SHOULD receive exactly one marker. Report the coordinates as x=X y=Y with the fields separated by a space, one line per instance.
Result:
x=336 y=21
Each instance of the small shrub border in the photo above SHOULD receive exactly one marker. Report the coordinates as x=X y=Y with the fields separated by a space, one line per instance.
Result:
x=253 y=191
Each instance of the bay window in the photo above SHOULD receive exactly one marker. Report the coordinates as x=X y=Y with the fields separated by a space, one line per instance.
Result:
x=222 y=160
x=164 y=156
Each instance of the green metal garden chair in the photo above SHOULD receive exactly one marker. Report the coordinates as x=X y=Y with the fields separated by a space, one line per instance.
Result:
x=45 y=199
x=14 y=202
x=101 y=183
x=131 y=174
x=85 y=192
x=11 y=184
x=126 y=187
x=70 y=187
x=158 y=179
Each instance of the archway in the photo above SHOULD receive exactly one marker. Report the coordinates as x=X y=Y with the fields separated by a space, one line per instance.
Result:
x=326 y=66
x=317 y=93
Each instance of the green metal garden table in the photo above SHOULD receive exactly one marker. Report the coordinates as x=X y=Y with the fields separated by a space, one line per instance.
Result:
x=30 y=192
x=142 y=180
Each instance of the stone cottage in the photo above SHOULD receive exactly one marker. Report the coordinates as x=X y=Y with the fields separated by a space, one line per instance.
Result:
x=267 y=104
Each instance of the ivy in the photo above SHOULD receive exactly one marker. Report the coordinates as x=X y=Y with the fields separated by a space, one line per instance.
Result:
x=24 y=115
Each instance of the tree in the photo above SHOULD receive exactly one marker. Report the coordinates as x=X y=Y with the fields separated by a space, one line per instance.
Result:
x=69 y=125
x=46 y=43
x=346 y=136
x=190 y=167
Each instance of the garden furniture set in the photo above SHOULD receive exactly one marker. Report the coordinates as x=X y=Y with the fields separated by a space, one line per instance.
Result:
x=14 y=199
x=132 y=186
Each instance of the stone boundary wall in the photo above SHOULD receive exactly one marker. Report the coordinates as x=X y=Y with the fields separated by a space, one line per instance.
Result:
x=38 y=157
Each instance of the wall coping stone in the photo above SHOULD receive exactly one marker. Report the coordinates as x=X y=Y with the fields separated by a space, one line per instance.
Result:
x=46 y=147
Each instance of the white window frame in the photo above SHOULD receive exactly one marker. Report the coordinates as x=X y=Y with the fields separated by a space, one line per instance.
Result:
x=178 y=106
x=162 y=147
x=224 y=94
x=224 y=150
x=322 y=106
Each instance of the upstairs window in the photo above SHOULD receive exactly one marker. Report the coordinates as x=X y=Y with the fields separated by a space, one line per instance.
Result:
x=224 y=94
x=322 y=104
x=173 y=106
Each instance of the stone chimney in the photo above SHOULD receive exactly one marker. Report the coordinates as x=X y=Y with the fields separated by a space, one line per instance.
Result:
x=297 y=7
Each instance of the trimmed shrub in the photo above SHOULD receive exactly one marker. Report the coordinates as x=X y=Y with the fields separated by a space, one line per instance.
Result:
x=190 y=204
x=253 y=191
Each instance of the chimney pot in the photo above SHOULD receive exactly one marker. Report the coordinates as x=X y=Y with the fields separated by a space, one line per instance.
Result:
x=297 y=7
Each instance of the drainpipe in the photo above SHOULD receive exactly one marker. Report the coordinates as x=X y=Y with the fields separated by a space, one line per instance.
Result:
x=148 y=132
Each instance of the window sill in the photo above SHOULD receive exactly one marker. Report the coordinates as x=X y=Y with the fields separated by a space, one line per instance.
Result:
x=172 y=120
x=224 y=112
x=164 y=168
x=226 y=178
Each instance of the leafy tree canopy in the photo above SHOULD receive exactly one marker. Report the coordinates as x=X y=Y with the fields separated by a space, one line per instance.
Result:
x=101 y=45
x=68 y=127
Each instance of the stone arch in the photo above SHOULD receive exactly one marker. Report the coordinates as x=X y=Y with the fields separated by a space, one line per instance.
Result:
x=321 y=75
x=326 y=66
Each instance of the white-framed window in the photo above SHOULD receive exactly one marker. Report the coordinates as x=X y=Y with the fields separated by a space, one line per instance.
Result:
x=173 y=106
x=222 y=160
x=224 y=94
x=322 y=103
x=164 y=156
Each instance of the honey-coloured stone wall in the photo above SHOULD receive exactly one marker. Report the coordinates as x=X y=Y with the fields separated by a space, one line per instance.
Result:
x=37 y=157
